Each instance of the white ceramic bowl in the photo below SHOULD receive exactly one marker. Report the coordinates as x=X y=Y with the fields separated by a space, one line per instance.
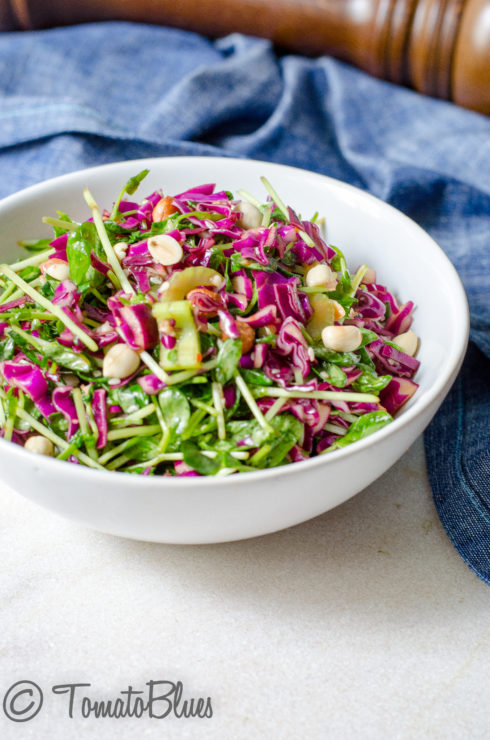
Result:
x=193 y=511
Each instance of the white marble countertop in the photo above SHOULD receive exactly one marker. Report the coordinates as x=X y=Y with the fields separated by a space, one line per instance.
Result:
x=363 y=623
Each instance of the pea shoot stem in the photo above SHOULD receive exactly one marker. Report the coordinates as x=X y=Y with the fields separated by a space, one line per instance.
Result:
x=52 y=308
x=55 y=439
x=108 y=248
x=275 y=408
x=277 y=200
x=82 y=418
x=266 y=391
x=188 y=374
x=60 y=224
x=153 y=365
x=217 y=393
x=245 y=195
x=127 y=432
x=33 y=261
x=250 y=401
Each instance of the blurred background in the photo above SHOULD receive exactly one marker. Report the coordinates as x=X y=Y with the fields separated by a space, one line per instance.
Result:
x=439 y=47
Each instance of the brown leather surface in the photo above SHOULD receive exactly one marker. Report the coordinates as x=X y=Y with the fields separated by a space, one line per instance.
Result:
x=440 y=47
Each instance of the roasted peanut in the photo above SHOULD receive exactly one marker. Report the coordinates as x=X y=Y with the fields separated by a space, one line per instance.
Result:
x=164 y=208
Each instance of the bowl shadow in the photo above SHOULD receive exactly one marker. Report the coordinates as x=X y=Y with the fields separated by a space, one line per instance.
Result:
x=382 y=554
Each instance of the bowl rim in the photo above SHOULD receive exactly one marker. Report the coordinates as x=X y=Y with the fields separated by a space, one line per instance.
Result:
x=450 y=368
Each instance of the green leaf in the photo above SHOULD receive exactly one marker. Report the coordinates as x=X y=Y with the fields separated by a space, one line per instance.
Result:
x=370 y=382
x=47 y=290
x=175 y=409
x=277 y=215
x=288 y=423
x=7 y=348
x=139 y=470
x=35 y=245
x=238 y=430
x=255 y=377
x=345 y=300
x=80 y=244
x=289 y=259
x=197 y=380
x=62 y=217
x=23 y=424
x=337 y=358
x=129 y=188
x=366 y=360
x=273 y=448
x=228 y=359
x=144 y=449
x=25 y=347
x=53 y=351
x=281 y=424
x=338 y=264
x=199 y=462
x=258 y=267
x=236 y=261
x=47 y=329
x=271 y=339
x=368 y=336
x=275 y=451
x=363 y=427
x=336 y=376
x=129 y=397
x=12 y=402
x=66 y=358
x=184 y=217
x=133 y=182
x=208 y=341
x=30 y=273
x=217 y=258
x=135 y=235
x=113 y=227
x=392 y=344
x=58 y=424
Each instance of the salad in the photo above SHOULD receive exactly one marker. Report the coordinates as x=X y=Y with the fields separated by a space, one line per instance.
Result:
x=196 y=334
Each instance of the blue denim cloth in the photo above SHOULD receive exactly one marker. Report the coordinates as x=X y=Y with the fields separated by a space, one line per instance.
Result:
x=81 y=96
